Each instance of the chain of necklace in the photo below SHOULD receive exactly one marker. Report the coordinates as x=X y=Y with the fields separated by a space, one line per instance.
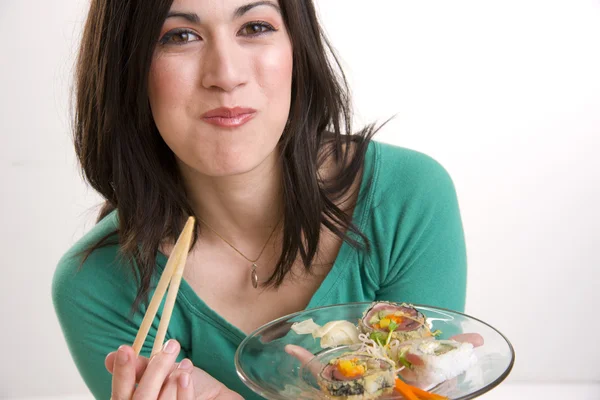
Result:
x=253 y=273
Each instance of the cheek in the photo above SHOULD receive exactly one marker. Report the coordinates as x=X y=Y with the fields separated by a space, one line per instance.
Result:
x=169 y=86
x=274 y=72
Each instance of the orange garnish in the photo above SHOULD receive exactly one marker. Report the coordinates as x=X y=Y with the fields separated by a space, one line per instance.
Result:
x=350 y=368
x=405 y=390
x=414 y=393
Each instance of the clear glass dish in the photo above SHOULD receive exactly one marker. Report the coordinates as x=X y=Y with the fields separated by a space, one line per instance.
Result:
x=264 y=366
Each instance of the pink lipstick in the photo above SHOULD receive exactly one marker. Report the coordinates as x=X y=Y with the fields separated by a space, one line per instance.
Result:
x=229 y=117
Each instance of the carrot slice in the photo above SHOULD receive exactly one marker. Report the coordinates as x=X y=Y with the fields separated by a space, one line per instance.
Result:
x=426 y=395
x=419 y=394
x=405 y=390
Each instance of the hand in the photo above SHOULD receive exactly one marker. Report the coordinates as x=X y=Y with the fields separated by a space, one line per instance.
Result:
x=162 y=378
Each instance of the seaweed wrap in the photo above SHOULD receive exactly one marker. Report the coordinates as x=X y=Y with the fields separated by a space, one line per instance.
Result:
x=357 y=376
x=403 y=321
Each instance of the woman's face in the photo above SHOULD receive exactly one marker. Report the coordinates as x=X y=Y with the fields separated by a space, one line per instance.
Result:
x=215 y=54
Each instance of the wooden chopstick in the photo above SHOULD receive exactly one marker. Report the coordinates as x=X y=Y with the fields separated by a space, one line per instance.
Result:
x=171 y=278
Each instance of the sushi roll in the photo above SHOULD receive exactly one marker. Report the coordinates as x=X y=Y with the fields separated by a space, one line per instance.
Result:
x=403 y=321
x=357 y=376
x=430 y=361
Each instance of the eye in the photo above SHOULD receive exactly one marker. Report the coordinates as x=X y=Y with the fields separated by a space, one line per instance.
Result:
x=179 y=37
x=256 y=28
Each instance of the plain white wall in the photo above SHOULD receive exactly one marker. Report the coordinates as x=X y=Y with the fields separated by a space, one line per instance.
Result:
x=505 y=94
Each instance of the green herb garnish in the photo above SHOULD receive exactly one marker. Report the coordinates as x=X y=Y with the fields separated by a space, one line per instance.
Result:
x=403 y=360
x=392 y=326
x=378 y=337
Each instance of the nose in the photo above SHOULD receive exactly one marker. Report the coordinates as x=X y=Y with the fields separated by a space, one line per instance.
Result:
x=223 y=66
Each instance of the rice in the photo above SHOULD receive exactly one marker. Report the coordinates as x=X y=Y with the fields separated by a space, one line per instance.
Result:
x=442 y=360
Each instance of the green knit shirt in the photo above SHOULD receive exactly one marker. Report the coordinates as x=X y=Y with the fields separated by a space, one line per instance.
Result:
x=407 y=208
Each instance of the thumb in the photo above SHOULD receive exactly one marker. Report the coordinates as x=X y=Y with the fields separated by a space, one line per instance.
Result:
x=305 y=357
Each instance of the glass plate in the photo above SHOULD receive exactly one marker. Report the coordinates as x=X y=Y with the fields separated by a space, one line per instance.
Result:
x=265 y=367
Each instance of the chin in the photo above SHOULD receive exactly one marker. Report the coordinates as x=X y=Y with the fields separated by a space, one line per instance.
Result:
x=248 y=161
x=216 y=153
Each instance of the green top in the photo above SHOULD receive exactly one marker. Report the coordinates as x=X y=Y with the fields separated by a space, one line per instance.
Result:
x=407 y=208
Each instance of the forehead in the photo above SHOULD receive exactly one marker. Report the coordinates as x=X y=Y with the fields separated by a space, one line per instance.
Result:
x=224 y=8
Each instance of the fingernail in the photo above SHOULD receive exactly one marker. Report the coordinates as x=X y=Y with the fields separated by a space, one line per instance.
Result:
x=170 y=347
x=184 y=380
x=185 y=364
x=122 y=356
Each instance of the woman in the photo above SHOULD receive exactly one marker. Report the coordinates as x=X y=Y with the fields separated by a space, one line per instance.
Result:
x=231 y=111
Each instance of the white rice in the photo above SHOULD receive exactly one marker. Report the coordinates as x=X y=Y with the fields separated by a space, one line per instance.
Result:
x=439 y=368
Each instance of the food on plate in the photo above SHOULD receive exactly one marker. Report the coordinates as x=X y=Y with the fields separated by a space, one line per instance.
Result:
x=403 y=320
x=396 y=349
x=429 y=361
x=357 y=376
x=334 y=333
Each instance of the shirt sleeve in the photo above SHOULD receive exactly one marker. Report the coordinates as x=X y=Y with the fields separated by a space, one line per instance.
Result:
x=93 y=304
x=427 y=261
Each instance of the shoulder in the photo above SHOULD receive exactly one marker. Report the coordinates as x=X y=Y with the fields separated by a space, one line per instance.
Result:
x=103 y=271
x=416 y=226
x=92 y=300
x=402 y=175
x=411 y=168
x=72 y=261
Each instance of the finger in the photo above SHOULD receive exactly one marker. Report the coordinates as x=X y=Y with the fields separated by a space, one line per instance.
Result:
x=123 y=381
x=304 y=356
x=140 y=364
x=474 y=338
x=179 y=384
x=157 y=371
x=186 y=387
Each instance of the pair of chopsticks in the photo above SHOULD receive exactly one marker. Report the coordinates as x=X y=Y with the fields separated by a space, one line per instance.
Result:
x=171 y=278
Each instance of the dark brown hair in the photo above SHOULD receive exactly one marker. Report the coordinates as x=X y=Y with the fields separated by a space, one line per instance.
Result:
x=125 y=159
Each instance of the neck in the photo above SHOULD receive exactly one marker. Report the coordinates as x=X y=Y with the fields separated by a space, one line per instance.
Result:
x=244 y=205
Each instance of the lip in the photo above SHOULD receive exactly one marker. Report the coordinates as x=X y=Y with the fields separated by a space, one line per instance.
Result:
x=229 y=117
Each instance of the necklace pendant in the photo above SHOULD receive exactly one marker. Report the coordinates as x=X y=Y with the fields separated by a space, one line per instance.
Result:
x=254 y=276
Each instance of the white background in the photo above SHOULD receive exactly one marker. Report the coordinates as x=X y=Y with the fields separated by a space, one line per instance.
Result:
x=505 y=94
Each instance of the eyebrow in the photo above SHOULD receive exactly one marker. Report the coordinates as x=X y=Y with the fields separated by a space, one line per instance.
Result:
x=240 y=11
x=244 y=9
